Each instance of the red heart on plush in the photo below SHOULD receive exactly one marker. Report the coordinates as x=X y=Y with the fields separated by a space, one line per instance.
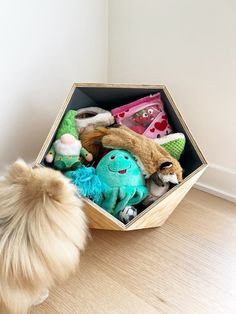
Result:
x=121 y=114
x=161 y=125
x=152 y=130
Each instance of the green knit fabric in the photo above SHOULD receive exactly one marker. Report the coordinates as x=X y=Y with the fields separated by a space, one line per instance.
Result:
x=175 y=147
x=68 y=125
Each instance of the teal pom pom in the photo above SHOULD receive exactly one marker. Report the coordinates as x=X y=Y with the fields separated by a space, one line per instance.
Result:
x=87 y=182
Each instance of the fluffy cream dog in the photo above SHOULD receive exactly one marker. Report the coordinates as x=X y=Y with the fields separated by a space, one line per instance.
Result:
x=42 y=230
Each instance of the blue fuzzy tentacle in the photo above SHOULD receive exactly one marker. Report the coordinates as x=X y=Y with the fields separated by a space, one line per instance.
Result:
x=87 y=181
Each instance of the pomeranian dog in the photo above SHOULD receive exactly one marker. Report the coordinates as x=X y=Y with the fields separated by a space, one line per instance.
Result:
x=42 y=230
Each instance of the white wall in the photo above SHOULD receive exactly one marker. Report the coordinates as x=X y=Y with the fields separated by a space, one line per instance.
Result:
x=188 y=45
x=191 y=47
x=45 y=46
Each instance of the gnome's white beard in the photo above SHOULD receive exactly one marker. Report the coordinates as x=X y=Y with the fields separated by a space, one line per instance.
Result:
x=67 y=149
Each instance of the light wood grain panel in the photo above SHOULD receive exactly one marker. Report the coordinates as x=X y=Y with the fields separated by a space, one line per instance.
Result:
x=100 y=219
x=185 y=126
x=120 y=85
x=185 y=266
x=92 y=284
x=152 y=216
x=67 y=100
x=155 y=216
x=54 y=127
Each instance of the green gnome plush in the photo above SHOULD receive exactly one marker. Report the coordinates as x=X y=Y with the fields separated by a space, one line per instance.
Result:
x=66 y=151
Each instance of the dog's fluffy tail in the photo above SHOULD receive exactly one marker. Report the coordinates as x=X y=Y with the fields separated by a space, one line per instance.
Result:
x=42 y=230
x=16 y=302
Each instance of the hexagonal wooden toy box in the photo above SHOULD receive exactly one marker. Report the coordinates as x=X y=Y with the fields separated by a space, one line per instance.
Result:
x=109 y=96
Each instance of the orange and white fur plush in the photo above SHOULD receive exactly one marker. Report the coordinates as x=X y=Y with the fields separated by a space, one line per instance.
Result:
x=151 y=157
x=42 y=230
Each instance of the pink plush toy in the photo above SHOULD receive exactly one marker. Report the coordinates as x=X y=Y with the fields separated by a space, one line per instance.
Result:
x=144 y=116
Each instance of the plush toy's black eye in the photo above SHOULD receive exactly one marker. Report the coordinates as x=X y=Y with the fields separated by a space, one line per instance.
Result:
x=112 y=157
x=126 y=157
x=166 y=165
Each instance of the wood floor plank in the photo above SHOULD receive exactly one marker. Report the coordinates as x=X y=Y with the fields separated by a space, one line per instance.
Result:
x=186 y=266
x=92 y=291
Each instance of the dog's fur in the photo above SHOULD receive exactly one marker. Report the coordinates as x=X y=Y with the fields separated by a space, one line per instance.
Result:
x=42 y=230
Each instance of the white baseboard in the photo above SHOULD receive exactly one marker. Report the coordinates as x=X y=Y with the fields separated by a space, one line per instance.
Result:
x=219 y=181
x=216 y=192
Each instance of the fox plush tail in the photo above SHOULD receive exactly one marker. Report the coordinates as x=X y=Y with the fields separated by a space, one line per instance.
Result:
x=151 y=156
x=92 y=140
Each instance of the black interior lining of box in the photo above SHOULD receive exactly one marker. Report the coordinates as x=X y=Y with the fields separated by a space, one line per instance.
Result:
x=109 y=98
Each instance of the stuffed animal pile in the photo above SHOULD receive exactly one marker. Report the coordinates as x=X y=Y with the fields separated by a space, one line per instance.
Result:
x=123 y=160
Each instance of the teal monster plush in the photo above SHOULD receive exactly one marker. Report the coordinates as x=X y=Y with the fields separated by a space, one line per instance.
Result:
x=119 y=180
x=124 y=180
x=66 y=152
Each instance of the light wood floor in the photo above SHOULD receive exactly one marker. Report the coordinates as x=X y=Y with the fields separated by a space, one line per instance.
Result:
x=186 y=266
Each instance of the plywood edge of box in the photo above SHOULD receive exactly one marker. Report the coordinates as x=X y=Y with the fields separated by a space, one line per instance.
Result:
x=153 y=216
x=115 y=85
x=158 y=214
x=98 y=218
x=119 y=85
x=55 y=126
x=184 y=125
x=151 y=86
